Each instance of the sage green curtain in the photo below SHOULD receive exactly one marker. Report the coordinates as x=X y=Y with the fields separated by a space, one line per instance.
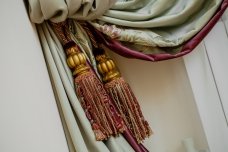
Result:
x=78 y=131
x=59 y=10
x=151 y=26
x=79 y=134
x=145 y=25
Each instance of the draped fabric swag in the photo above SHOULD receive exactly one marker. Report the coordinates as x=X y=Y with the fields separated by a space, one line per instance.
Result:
x=145 y=29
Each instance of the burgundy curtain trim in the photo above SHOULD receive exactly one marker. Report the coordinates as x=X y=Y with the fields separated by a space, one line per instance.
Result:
x=187 y=47
x=131 y=140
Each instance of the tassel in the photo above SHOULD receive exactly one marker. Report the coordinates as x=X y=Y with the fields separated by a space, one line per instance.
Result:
x=119 y=90
x=125 y=100
x=99 y=110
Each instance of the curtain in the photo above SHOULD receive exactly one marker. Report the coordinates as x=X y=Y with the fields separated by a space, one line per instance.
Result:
x=79 y=134
x=162 y=23
x=144 y=29
x=159 y=30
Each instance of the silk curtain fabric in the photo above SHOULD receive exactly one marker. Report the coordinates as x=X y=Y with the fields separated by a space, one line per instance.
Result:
x=145 y=28
x=183 y=49
x=156 y=26
x=60 y=10
x=78 y=131
x=156 y=29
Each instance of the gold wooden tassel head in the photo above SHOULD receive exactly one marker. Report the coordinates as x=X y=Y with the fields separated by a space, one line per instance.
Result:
x=107 y=68
x=76 y=61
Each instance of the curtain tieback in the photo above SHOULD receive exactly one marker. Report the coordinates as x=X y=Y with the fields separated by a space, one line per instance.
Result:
x=98 y=107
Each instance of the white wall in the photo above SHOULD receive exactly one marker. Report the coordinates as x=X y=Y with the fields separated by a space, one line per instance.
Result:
x=207 y=72
x=167 y=101
x=29 y=119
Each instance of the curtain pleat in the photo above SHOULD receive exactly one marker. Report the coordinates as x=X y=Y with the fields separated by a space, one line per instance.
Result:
x=77 y=128
x=145 y=29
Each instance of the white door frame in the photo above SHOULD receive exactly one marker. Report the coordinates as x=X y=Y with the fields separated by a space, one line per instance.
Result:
x=208 y=75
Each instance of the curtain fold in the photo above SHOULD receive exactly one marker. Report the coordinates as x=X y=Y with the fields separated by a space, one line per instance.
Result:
x=60 y=10
x=78 y=131
x=145 y=29
x=157 y=26
x=151 y=27
x=144 y=52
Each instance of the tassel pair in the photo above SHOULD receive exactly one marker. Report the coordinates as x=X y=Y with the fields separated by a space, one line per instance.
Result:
x=119 y=90
x=95 y=101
